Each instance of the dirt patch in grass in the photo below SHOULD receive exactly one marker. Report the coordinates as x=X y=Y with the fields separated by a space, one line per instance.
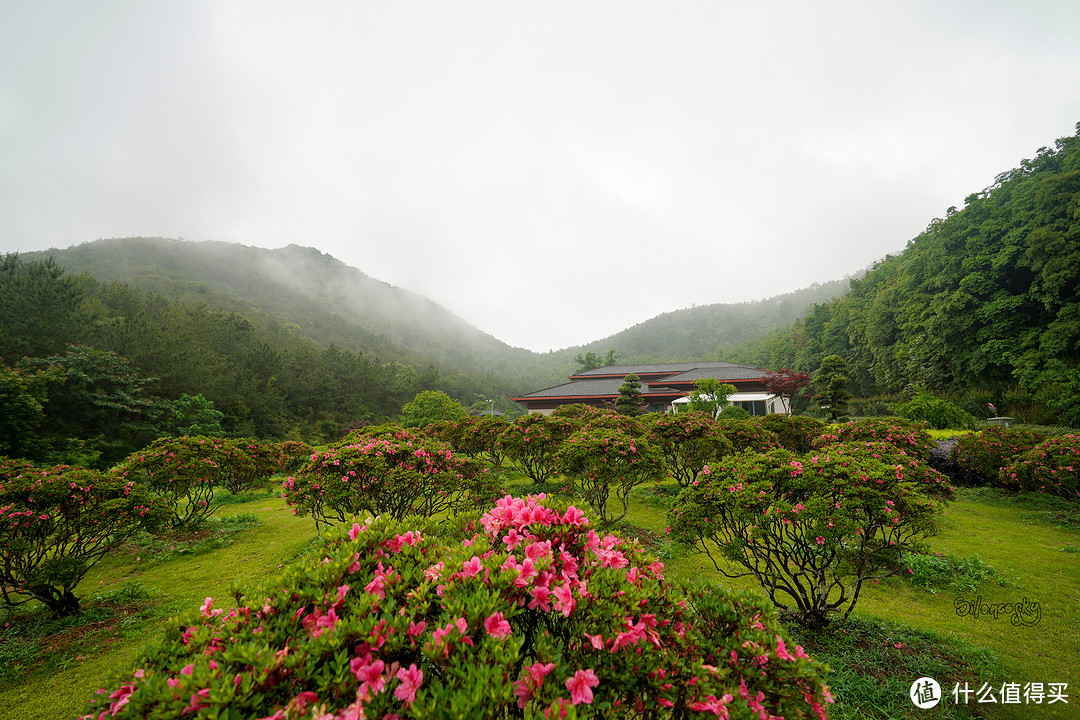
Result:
x=33 y=643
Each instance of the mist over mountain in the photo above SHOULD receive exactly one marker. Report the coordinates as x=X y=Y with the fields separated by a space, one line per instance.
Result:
x=333 y=303
x=707 y=332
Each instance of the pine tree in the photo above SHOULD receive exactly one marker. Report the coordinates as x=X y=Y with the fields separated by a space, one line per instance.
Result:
x=630 y=401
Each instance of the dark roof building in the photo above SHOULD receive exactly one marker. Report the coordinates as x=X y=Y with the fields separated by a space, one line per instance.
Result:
x=664 y=386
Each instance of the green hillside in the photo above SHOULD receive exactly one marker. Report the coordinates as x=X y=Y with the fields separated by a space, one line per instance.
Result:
x=327 y=300
x=982 y=305
x=707 y=332
x=332 y=303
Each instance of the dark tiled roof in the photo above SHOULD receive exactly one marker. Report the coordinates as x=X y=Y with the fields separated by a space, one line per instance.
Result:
x=623 y=370
x=583 y=388
x=734 y=372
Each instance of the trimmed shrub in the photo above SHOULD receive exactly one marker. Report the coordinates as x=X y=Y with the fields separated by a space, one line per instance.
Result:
x=733 y=412
x=248 y=463
x=748 y=436
x=536 y=615
x=292 y=454
x=56 y=523
x=981 y=456
x=904 y=434
x=531 y=441
x=809 y=528
x=600 y=460
x=480 y=438
x=407 y=474
x=688 y=442
x=1051 y=467
x=182 y=472
x=626 y=424
x=795 y=432
x=937 y=413
x=931 y=482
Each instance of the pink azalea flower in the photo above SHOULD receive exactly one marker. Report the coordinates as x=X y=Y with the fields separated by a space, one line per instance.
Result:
x=370 y=674
x=512 y=538
x=497 y=626
x=206 y=611
x=355 y=532
x=781 y=651
x=564 y=600
x=573 y=516
x=580 y=686
x=411 y=680
x=540 y=599
x=472 y=567
x=820 y=540
x=525 y=687
x=538 y=550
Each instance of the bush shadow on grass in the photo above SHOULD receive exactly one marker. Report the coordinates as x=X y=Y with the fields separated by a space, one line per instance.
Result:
x=872 y=664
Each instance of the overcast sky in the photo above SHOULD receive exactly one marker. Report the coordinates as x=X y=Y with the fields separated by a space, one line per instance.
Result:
x=553 y=172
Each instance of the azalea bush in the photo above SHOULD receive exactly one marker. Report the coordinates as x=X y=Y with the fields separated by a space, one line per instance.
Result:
x=748 y=435
x=980 y=456
x=613 y=420
x=291 y=455
x=480 y=438
x=56 y=523
x=1051 y=467
x=795 y=432
x=398 y=475
x=531 y=441
x=811 y=529
x=688 y=442
x=602 y=462
x=908 y=435
x=534 y=614
x=183 y=472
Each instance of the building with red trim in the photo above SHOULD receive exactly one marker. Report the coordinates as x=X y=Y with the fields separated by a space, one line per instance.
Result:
x=664 y=387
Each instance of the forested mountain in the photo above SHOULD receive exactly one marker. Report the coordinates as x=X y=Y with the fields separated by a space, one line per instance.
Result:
x=708 y=332
x=327 y=300
x=333 y=303
x=106 y=345
x=104 y=366
x=982 y=305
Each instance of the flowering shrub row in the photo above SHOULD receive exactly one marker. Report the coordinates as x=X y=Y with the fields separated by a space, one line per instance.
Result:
x=1051 y=467
x=56 y=523
x=185 y=471
x=534 y=614
x=391 y=471
x=981 y=456
x=909 y=435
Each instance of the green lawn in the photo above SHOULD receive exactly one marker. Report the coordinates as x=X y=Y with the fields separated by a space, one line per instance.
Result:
x=1031 y=558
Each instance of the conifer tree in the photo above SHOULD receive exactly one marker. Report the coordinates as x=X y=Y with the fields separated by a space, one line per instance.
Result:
x=831 y=382
x=630 y=401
